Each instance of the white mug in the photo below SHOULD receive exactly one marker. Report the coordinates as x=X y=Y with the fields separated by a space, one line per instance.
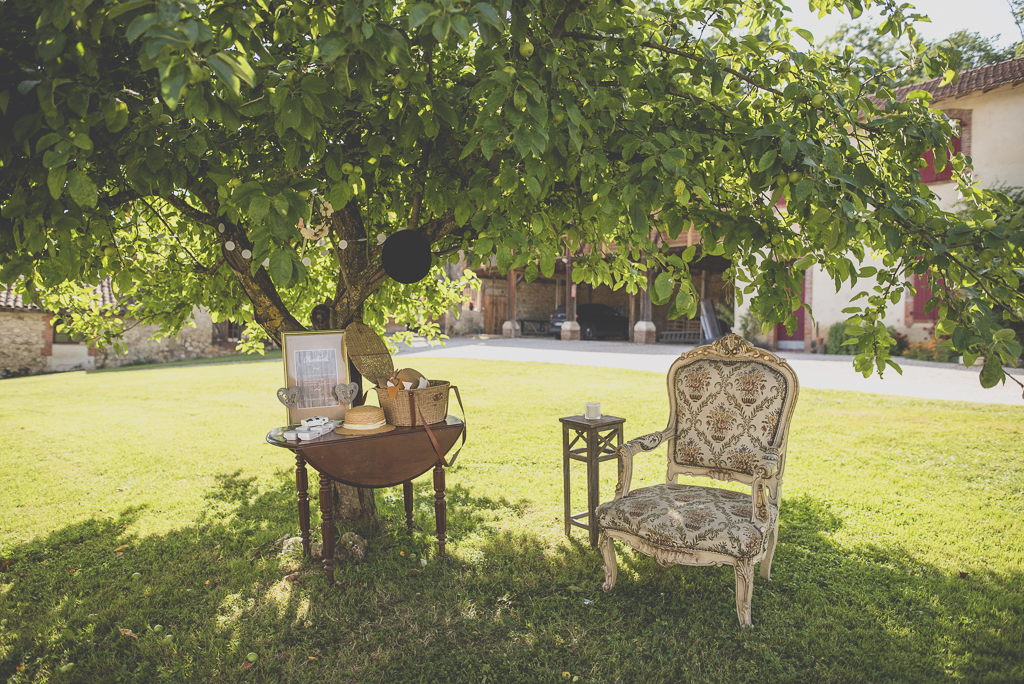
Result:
x=592 y=410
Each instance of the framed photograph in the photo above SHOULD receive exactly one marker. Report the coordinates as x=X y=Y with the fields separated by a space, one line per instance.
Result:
x=315 y=362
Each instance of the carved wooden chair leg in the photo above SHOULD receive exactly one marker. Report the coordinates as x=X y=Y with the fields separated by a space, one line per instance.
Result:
x=744 y=591
x=611 y=564
x=766 y=562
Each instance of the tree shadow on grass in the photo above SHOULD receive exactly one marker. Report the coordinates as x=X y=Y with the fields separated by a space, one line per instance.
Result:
x=514 y=607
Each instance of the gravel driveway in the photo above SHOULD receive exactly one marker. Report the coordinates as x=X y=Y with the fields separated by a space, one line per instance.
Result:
x=922 y=379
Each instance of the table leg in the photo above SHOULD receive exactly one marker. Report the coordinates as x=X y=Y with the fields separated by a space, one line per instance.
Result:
x=407 y=498
x=593 y=485
x=440 y=508
x=565 y=477
x=302 y=485
x=327 y=525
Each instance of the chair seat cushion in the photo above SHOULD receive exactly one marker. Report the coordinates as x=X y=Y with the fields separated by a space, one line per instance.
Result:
x=690 y=518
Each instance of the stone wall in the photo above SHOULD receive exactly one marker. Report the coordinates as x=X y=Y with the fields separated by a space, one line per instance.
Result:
x=23 y=341
x=468 y=322
x=191 y=343
x=27 y=347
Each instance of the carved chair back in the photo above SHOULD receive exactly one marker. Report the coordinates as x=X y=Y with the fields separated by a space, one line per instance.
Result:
x=730 y=402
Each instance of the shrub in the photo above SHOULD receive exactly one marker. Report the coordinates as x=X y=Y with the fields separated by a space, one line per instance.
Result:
x=835 y=339
x=932 y=350
x=749 y=326
x=902 y=342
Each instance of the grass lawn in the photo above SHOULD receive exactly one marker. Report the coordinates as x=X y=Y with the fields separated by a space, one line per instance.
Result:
x=900 y=555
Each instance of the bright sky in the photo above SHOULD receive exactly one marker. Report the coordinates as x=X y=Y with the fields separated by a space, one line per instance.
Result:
x=987 y=17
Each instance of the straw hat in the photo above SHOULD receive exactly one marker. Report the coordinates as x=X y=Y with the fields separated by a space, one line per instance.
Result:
x=364 y=420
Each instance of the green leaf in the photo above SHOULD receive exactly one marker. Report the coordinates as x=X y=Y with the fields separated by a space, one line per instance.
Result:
x=805 y=34
x=1004 y=334
x=140 y=24
x=282 y=267
x=662 y=290
x=55 y=181
x=766 y=161
x=970 y=358
x=231 y=69
x=259 y=208
x=803 y=263
x=123 y=7
x=992 y=372
x=803 y=189
x=170 y=87
x=547 y=262
x=55 y=158
x=919 y=95
x=490 y=15
x=419 y=14
x=46 y=141
x=533 y=186
x=82 y=190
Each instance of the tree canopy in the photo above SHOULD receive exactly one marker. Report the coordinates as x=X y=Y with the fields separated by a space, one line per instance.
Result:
x=963 y=49
x=175 y=146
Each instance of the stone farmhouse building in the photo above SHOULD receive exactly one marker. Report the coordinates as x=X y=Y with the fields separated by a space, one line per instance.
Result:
x=30 y=342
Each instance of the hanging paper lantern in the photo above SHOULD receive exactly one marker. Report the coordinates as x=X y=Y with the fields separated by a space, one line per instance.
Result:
x=406 y=256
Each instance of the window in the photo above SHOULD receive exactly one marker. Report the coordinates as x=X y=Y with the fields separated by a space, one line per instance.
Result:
x=227 y=332
x=64 y=336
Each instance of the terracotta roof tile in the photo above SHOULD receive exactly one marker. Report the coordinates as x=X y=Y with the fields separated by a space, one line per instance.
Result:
x=9 y=301
x=1010 y=72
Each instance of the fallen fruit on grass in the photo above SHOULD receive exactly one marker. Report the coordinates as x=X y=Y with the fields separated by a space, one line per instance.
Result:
x=158 y=628
x=136 y=575
x=251 y=657
x=67 y=667
x=169 y=638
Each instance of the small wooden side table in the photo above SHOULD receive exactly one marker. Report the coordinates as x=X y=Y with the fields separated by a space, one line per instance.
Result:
x=381 y=460
x=597 y=437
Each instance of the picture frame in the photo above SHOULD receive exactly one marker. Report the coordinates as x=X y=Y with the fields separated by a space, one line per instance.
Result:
x=315 y=361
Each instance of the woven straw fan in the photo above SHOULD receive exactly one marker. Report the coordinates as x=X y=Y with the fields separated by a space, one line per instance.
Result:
x=368 y=353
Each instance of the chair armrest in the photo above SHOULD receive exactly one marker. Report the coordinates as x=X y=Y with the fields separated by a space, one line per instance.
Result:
x=764 y=468
x=627 y=451
x=767 y=464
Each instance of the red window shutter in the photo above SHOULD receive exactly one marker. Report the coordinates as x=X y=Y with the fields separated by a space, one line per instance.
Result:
x=921 y=297
x=928 y=174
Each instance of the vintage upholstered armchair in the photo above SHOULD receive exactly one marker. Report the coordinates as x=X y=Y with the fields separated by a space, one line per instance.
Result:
x=730 y=406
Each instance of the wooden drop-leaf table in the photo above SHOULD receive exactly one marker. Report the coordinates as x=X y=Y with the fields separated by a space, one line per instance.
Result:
x=382 y=460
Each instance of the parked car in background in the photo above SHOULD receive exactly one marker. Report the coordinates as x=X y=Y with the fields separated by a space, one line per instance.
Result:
x=596 y=321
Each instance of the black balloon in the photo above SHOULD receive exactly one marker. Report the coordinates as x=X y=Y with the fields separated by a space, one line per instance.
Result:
x=406 y=256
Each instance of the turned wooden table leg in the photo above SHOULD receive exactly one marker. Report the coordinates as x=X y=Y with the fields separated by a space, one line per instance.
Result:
x=302 y=485
x=440 y=508
x=407 y=497
x=327 y=525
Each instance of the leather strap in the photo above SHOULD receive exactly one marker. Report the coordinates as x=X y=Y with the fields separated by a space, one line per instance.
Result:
x=433 y=441
x=412 y=411
x=465 y=426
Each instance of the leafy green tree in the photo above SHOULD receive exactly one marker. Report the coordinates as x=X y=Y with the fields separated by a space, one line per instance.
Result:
x=964 y=50
x=175 y=146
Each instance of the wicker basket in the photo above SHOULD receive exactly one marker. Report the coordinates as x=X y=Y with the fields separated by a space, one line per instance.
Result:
x=406 y=408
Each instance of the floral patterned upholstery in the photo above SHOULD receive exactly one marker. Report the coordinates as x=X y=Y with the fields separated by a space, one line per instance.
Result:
x=690 y=518
x=727 y=413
